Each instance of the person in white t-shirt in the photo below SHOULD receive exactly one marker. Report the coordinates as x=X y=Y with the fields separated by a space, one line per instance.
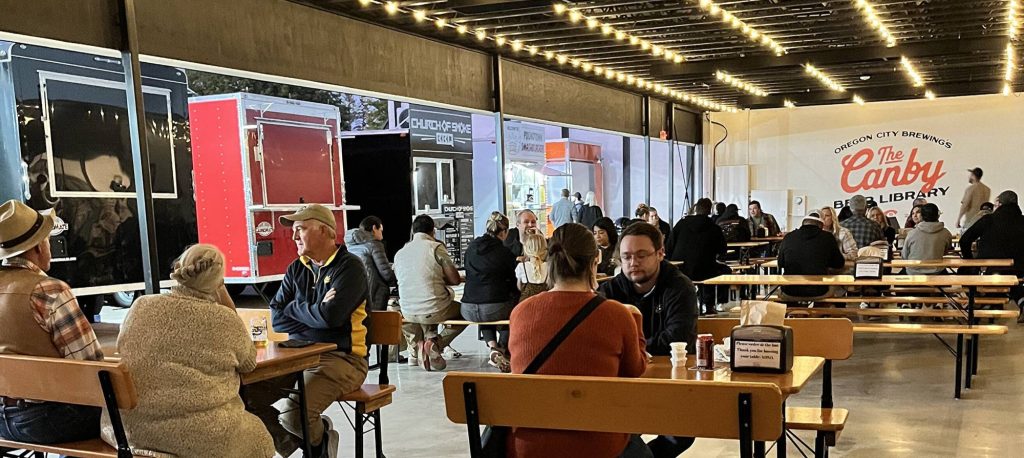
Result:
x=532 y=273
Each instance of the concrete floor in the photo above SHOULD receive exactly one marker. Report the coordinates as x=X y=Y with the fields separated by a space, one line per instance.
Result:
x=898 y=388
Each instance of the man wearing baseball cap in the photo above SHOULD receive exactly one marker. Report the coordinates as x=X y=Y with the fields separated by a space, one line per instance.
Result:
x=809 y=251
x=40 y=317
x=322 y=299
x=975 y=195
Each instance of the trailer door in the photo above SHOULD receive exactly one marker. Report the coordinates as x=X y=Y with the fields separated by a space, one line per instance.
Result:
x=297 y=162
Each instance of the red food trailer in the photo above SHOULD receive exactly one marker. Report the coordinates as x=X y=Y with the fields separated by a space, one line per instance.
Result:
x=256 y=158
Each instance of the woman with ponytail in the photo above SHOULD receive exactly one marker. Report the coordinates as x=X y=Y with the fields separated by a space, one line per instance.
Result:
x=491 y=289
x=607 y=343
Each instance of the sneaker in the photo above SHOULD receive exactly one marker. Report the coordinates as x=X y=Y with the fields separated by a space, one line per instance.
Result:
x=329 y=445
x=498 y=360
x=413 y=359
x=864 y=305
x=431 y=357
x=451 y=353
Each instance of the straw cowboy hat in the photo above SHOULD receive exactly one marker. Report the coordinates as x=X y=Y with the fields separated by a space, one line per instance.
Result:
x=21 y=228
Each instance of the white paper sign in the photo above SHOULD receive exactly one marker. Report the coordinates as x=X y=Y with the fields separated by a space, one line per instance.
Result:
x=757 y=354
x=868 y=270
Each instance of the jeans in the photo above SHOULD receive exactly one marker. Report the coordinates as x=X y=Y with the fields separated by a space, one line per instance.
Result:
x=49 y=422
x=338 y=373
x=490 y=312
x=669 y=446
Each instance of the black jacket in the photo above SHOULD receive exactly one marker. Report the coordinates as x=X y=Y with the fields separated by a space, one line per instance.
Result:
x=589 y=214
x=299 y=308
x=669 y=310
x=375 y=261
x=697 y=241
x=490 y=272
x=809 y=251
x=513 y=243
x=999 y=235
x=666 y=230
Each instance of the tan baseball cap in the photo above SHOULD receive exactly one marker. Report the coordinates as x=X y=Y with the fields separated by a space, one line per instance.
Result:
x=313 y=211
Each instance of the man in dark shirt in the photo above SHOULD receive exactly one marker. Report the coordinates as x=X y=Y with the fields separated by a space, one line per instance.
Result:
x=1000 y=236
x=809 y=251
x=666 y=299
x=322 y=298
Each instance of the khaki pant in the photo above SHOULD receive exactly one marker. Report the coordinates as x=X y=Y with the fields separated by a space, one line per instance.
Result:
x=416 y=328
x=338 y=373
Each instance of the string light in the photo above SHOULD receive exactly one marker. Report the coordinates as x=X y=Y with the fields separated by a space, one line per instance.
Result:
x=875 y=22
x=1012 y=20
x=911 y=71
x=419 y=15
x=391 y=7
x=532 y=50
x=365 y=2
x=740 y=84
x=481 y=34
x=462 y=29
x=788 y=103
x=517 y=45
x=1007 y=90
x=499 y=40
x=746 y=29
x=929 y=95
x=575 y=16
x=858 y=100
x=441 y=23
x=825 y=79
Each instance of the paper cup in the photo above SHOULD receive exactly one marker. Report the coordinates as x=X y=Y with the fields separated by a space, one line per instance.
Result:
x=678 y=347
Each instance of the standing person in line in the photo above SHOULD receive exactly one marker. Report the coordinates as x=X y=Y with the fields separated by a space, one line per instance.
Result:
x=491 y=292
x=698 y=242
x=761 y=224
x=561 y=211
x=1000 y=236
x=910 y=223
x=607 y=343
x=667 y=301
x=927 y=241
x=426 y=275
x=577 y=205
x=590 y=212
x=863 y=229
x=878 y=216
x=165 y=341
x=844 y=238
x=532 y=273
x=366 y=243
x=526 y=223
x=40 y=317
x=976 y=194
x=323 y=298
x=607 y=239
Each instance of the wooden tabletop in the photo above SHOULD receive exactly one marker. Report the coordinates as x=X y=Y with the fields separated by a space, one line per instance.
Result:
x=275 y=360
x=804 y=367
x=746 y=244
x=848 y=280
x=951 y=263
x=777 y=238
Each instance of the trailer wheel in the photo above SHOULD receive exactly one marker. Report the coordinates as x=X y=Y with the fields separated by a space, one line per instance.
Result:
x=125 y=298
x=91 y=306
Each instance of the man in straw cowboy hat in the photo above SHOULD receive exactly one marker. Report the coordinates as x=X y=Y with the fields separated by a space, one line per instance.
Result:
x=40 y=317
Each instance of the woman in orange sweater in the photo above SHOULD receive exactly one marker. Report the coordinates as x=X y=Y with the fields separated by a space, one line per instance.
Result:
x=608 y=343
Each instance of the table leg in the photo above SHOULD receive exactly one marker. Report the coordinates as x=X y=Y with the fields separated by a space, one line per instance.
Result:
x=974 y=364
x=971 y=291
x=759 y=449
x=303 y=414
x=780 y=445
x=959 y=363
x=969 y=363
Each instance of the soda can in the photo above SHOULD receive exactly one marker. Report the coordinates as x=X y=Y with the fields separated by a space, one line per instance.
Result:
x=705 y=343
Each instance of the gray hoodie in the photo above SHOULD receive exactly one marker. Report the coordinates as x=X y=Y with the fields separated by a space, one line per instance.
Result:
x=927 y=241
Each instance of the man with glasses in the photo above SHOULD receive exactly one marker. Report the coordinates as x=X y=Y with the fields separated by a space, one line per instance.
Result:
x=666 y=299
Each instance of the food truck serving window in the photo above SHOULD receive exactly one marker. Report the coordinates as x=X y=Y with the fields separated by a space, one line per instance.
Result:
x=298 y=163
x=88 y=146
x=434 y=184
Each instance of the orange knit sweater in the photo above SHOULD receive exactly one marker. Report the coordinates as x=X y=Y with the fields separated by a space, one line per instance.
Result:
x=609 y=343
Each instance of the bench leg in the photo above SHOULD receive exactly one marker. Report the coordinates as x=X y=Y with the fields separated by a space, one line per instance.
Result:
x=377 y=434
x=360 y=419
x=959 y=364
x=759 y=449
x=974 y=364
x=780 y=445
x=969 y=363
x=820 y=449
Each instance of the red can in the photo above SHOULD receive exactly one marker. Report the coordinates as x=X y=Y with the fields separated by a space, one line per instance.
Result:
x=705 y=351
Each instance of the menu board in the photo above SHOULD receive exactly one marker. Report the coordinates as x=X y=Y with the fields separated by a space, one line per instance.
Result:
x=459 y=233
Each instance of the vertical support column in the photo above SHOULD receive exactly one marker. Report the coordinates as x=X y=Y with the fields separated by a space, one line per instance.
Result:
x=499 y=129
x=627 y=195
x=645 y=117
x=140 y=149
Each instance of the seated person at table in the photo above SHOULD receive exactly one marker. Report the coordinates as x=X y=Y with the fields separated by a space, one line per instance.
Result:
x=986 y=209
x=666 y=299
x=878 y=216
x=166 y=340
x=607 y=239
x=863 y=229
x=809 y=251
x=734 y=227
x=698 y=242
x=844 y=238
x=664 y=227
x=1000 y=236
x=532 y=274
x=927 y=241
x=491 y=292
x=911 y=219
x=40 y=317
x=526 y=221
x=365 y=242
x=425 y=276
x=323 y=298
x=607 y=343
x=761 y=224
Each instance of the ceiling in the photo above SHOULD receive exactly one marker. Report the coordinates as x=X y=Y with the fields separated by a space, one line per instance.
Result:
x=957 y=47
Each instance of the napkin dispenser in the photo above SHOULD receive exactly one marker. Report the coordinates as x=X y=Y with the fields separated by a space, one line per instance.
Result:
x=762 y=348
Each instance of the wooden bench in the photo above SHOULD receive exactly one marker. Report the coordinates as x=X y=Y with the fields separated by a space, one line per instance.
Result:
x=89 y=383
x=900 y=313
x=829 y=338
x=902 y=299
x=470 y=323
x=384 y=330
x=745 y=412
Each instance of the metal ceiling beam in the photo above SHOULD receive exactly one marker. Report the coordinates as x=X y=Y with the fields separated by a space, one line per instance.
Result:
x=874 y=94
x=834 y=56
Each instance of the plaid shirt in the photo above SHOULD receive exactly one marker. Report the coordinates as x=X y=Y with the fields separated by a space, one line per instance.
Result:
x=56 y=311
x=864 y=230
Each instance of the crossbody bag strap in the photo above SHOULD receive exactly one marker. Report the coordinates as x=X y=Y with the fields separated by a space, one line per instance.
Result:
x=563 y=333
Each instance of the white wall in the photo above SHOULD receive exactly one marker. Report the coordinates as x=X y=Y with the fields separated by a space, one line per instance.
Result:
x=802 y=149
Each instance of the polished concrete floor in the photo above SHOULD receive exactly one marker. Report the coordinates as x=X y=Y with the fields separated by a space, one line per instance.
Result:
x=898 y=388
